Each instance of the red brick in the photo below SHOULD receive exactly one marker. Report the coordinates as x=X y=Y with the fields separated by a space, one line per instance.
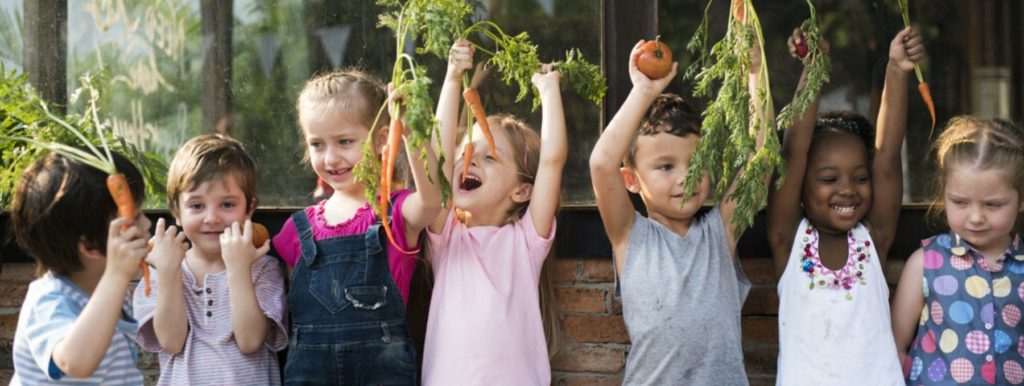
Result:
x=598 y=270
x=5 y=376
x=760 y=330
x=616 y=306
x=595 y=329
x=18 y=272
x=8 y=324
x=763 y=380
x=581 y=300
x=611 y=380
x=590 y=359
x=762 y=300
x=760 y=270
x=761 y=360
x=563 y=270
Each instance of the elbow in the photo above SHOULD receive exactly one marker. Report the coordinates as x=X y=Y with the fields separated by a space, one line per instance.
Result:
x=599 y=164
x=77 y=370
x=249 y=347
x=173 y=349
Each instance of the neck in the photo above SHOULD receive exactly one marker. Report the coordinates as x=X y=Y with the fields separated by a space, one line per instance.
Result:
x=204 y=263
x=88 y=277
x=678 y=226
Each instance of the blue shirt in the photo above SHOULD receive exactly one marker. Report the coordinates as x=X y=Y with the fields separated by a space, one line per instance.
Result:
x=49 y=311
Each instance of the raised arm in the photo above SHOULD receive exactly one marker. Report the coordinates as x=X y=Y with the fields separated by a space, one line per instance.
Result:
x=907 y=303
x=547 y=185
x=609 y=190
x=784 y=213
x=728 y=206
x=248 y=323
x=169 y=321
x=460 y=59
x=887 y=168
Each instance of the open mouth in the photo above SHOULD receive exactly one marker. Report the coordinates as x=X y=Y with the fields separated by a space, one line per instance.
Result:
x=844 y=209
x=470 y=183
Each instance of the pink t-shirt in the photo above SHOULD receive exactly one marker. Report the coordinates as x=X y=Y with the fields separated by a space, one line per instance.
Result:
x=287 y=244
x=484 y=326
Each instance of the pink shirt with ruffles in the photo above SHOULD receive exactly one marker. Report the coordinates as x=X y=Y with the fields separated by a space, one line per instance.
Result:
x=402 y=265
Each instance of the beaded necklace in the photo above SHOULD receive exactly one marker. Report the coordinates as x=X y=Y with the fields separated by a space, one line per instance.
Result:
x=844 y=278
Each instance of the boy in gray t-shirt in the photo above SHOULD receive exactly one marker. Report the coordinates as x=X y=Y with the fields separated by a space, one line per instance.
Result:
x=682 y=287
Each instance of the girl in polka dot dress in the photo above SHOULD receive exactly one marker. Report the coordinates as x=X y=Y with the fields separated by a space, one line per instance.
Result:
x=965 y=326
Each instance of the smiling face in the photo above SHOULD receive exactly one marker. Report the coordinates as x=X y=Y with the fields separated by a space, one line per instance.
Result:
x=837 y=185
x=333 y=143
x=982 y=207
x=492 y=186
x=208 y=209
x=661 y=163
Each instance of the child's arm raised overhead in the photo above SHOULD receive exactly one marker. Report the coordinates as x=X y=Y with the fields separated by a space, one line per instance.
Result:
x=887 y=169
x=727 y=207
x=547 y=185
x=248 y=323
x=907 y=303
x=609 y=190
x=421 y=208
x=460 y=59
x=784 y=212
x=169 y=321
x=85 y=346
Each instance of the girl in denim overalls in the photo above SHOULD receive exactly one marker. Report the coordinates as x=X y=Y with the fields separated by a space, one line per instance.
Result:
x=349 y=285
x=964 y=327
x=485 y=325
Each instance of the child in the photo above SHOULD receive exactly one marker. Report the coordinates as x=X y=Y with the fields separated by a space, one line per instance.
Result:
x=682 y=288
x=349 y=283
x=75 y=325
x=219 y=316
x=829 y=251
x=485 y=325
x=963 y=328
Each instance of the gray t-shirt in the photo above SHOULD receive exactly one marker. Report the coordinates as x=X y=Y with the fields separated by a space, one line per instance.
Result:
x=681 y=300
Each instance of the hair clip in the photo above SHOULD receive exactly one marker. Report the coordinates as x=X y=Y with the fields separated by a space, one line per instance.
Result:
x=958 y=249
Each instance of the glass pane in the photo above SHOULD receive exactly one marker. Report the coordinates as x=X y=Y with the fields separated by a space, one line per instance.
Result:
x=152 y=53
x=973 y=65
x=10 y=35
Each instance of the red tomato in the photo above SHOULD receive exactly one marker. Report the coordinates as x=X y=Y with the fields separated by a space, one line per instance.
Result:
x=259 y=235
x=801 y=48
x=655 y=59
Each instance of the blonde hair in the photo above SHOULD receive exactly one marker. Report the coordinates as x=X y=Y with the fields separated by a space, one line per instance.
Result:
x=984 y=144
x=209 y=157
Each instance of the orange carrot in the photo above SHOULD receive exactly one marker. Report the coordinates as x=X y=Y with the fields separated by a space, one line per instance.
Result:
x=740 y=10
x=472 y=98
x=926 y=95
x=387 y=172
x=467 y=158
x=117 y=184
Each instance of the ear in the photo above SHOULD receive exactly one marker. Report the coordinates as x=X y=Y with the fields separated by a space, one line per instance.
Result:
x=252 y=207
x=522 y=193
x=86 y=252
x=630 y=179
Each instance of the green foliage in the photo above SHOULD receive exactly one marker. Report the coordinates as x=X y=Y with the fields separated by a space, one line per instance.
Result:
x=31 y=129
x=728 y=150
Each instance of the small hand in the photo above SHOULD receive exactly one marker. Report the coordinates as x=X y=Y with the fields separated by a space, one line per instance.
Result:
x=797 y=44
x=480 y=74
x=169 y=247
x=641 y=81
x=236 y=246
x=906 y=49
x=126 y=246
x=460 y=58
x=546 y=79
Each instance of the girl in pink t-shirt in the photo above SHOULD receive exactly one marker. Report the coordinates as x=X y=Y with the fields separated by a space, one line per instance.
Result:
x=349 y=284
x=484 y=326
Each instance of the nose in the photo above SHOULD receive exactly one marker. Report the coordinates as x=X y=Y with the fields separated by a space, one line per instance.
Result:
x=211 y=217
x=975 y=216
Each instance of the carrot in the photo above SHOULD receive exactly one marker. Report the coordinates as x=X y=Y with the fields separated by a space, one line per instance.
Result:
x=117 y=184
x=926 y=95
x=387 y=173
x=472 y=98
x=740 y=10
x=467 y=158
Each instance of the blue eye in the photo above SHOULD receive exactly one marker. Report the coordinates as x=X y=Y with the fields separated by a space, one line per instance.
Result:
x=345 y=142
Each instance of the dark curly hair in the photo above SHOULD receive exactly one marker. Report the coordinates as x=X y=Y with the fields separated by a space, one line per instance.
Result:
x=846 y=122
x=668 y=114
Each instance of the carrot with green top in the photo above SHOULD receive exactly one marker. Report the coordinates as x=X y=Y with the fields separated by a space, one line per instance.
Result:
x=472 y=98
x=922 y=86
x=388 y=158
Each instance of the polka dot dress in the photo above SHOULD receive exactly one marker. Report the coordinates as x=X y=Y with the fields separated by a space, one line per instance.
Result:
x=968 y=333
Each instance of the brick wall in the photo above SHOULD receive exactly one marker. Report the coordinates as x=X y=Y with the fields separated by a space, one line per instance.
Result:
x=594 y=342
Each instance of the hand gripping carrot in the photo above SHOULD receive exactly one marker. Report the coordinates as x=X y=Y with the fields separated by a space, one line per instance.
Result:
x=387 y=172
x=472 y=98
x=117 y=184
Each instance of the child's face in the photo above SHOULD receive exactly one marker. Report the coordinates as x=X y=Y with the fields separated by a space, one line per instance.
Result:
x=208 y=209
x=492 y=186
x=334 y=143
x=981 y=207
x=837 y=184
x=659 y=176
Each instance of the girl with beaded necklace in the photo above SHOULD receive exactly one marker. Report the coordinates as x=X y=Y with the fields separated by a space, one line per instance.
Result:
x=829 y=251
x=966 y=319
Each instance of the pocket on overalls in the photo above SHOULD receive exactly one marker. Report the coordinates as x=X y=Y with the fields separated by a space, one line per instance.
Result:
x=332 y=275
x=367 y=297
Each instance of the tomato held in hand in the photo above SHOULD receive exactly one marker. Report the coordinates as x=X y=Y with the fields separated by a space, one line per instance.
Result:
x=259 y=235
x=655 y=59
x=801 y=48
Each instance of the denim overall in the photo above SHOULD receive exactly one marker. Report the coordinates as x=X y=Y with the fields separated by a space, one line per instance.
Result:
x=348 y=320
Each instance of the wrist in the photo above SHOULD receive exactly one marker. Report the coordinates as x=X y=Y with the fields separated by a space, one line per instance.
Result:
x=893 y=69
